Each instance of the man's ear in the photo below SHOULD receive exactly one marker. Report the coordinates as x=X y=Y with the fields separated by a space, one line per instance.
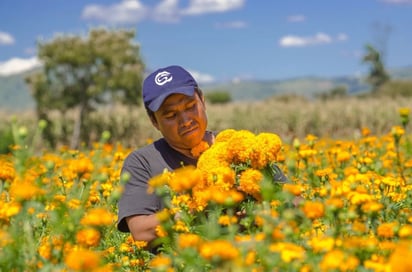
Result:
x=154 y=121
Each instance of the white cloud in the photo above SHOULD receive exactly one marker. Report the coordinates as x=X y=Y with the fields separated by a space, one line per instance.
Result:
x=133 y=11
x=211 y=6
x=342 y=37
x=296 y=18
x=318 y=39
x=234 y=24
x=127 y=11
x=202 y=78
x=167 y=11
x=6 y=38
x=17 y=65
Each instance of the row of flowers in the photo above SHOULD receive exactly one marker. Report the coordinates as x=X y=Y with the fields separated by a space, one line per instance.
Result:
x=346 y=207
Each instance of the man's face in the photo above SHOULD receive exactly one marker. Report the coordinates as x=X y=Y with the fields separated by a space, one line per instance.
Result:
x=182 y=121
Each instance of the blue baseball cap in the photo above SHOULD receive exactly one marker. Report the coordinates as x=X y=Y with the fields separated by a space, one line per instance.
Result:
x=164 y=82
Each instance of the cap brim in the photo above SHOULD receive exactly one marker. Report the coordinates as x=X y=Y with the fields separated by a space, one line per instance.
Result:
x=155 y=104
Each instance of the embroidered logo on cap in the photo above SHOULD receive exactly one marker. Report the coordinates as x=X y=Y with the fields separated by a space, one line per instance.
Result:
x=163 y=77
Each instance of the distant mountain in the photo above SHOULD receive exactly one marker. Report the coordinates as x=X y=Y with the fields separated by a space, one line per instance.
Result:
x=15 y=94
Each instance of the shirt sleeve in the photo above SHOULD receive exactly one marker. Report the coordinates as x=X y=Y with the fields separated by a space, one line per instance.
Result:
x=135 y=199
x=278 y=175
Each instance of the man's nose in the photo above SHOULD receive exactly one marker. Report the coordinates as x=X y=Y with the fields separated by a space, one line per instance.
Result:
x=185 y=119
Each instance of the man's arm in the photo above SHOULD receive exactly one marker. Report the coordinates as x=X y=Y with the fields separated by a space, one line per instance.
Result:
x=143 y=227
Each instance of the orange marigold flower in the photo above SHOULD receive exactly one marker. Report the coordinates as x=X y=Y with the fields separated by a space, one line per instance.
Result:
x=339 y=260
x=266 y=147
x=288 y=251
x=180 y=226
x=313 y=209
x=226 y=220
x=185 y=178
x=219 y=248
x=160 y=231
x=401 y=258
x=249 y=182
x=88 y=237
x=188 y=240
x=98 y=217
x=387 y=230
x=25 y=190
x=294 y=189
x=199 y=149
x=7 y=172
x=160 y=261
x=405 y=231
x=82 y=260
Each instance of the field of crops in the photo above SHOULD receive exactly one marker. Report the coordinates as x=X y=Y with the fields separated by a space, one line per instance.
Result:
x=348 y=206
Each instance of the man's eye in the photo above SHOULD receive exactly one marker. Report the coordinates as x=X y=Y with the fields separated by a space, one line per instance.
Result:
x=170 y=115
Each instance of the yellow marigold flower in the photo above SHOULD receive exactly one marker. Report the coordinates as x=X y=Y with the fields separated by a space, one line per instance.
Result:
x=225 y=135
x=356 y=198
x=7 y=172
x=9 y=209
x=335 y=203
x=307 y=153
x=338 y=260
x=404 y=112
x=140 y=244
x=294 y=189
x=219 y=248
x=163 y=215
x=82 y=260
x=401 y=258
x=81 y=166
x=199 y=149
x=25 y=190
x=372 y=206
x=322 y=244
x=229 y=197
x=405 y=231
x=376 y=263
x=313 y=209
x=249 y=182
x=160 y=231
x=216 y=156
x=265 y=149
x=98 y=217
x=288 y=251
x=343 y=156
x=359 y=226
x=186 y=240
x=159 y=180
x=397 y=132
x=180 y=226
x=88 y=237
x=74 y=204
x=160 y=261
x=226 y=220
x=240 y=145
x=250 y=257
x=185 y=178
x=365 y=132
x=387 y=230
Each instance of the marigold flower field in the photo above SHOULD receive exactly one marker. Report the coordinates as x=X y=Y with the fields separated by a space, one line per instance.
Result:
x=347 y=206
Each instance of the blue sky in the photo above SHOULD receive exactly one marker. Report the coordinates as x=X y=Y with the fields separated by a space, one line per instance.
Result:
x=221 y=40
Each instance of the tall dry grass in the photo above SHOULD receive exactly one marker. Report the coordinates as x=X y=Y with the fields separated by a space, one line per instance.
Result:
x=288 y=117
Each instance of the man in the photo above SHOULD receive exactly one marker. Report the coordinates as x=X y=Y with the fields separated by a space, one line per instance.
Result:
x=176 y=107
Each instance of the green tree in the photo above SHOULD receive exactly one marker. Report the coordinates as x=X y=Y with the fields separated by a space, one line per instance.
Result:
x=377 y=72
x=81 y=73
x=218 y=97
